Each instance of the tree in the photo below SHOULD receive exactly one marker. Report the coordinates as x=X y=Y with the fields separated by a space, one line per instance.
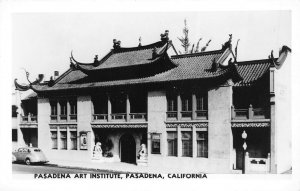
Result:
x=185 y=42
x=185 y=39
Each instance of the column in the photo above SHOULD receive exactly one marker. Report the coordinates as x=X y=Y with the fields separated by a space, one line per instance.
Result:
x=92 y=110
x=164 y=144
x=68 y=110
x=58 y=138
x=194 y=140
x=178 y=107
x=179 y=142
x=108 y=108
x=127 y=108
x=272 y=122
x=273 y=138
x=194 y=106
x=68 y=138
x=58 y=111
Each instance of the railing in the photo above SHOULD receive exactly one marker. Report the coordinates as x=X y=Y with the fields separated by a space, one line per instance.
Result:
x=138 y=116
x=53 y=117
x=63 y=117
x=118 y=116
x=97 y=117
x=171 y=114
x=29 y=119
x=186 y=114
x=250 y=113
x=257 y=165
x=201 y=114
x=57 y=118
x=73 y=117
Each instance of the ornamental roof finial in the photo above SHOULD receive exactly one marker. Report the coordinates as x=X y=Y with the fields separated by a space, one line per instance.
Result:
x=165 y=37
x=228 y=43
x=140 y=41
x=117 y=44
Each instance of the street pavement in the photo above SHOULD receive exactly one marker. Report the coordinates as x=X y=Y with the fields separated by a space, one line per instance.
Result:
x=50 y=169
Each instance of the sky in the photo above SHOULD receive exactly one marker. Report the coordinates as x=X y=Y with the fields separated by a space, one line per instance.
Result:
x=42 y=42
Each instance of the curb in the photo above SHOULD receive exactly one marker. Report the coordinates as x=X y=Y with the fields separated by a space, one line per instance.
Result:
x=94 y=169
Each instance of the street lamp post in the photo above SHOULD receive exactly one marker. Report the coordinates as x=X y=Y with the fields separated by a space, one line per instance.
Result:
x=244 y=136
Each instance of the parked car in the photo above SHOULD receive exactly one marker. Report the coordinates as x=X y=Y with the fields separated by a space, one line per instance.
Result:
x=13 y=158
x=30 y=155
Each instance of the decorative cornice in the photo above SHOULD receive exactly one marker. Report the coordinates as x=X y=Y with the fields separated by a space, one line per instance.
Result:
x=187 y=124
x=249 y=124
x=121 y=125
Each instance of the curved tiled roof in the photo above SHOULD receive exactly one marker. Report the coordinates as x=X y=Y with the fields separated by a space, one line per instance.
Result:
x=252 y=71
x=189 y=66
x=124 y=57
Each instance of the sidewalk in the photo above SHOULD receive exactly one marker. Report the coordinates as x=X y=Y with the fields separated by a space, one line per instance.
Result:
x=110 y=167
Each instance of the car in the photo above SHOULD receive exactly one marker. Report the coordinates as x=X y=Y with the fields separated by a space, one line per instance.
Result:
x=30 y=155
x=13 y=158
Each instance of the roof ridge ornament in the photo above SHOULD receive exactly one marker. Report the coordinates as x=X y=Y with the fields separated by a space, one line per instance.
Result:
x=140 y=42
x=204 y=47
x=283 y=52
x=165 y=37
x=228 y=43
x=117 y=44
x=29 y=86
x=96 y=61
x=154 y=53
x=235 y=57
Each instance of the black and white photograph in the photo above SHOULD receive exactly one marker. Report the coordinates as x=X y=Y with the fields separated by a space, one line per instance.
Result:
x=154 y=96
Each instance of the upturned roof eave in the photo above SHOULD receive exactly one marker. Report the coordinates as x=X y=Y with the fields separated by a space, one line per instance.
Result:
x=226 y=74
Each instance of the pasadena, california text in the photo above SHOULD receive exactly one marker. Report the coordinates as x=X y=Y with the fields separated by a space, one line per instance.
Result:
x=119 y=176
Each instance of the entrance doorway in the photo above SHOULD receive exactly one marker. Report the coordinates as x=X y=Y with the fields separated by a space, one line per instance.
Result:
x=30 y=136
x=127 y=149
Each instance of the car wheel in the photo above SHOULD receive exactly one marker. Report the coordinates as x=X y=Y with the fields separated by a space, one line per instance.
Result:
x=27 y=161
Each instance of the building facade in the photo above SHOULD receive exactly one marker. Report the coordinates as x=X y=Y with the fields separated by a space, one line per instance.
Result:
x=200 y=112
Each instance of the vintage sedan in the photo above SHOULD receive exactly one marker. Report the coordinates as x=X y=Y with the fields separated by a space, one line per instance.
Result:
x=30 y=155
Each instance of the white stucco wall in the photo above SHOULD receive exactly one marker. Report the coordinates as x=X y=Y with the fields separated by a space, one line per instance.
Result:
x=44 y=136
x=219 y=128
x=283 y=116
x=219 y=135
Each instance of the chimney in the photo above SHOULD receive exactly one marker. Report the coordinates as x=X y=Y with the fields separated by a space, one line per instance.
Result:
x=56 y=74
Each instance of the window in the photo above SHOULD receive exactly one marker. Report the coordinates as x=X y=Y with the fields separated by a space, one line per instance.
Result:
x=73 y=138
x=63 y=110
x=187 y=149
x=201 y=100
x=155 y=143
x=171 y=106
x=172 y=143
x=14 y=134
x=63 y=140
x=54 y=139
x=172 y=103
x=186 y=102
x=202 y=144
x=53 y=105
x=14 y=111
x=73 y=110
x=201 y=105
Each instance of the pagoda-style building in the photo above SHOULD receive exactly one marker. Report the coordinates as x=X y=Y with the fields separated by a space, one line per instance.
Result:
x=199 y=112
